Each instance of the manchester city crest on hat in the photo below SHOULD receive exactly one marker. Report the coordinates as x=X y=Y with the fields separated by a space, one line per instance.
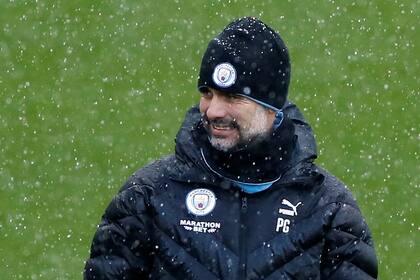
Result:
x=200 y=202
x=224 y=75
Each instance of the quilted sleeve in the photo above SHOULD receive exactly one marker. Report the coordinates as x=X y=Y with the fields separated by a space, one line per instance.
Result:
x=349 y=252
x=120 y=247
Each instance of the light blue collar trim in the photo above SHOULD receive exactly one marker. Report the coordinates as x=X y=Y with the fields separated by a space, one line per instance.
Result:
x=252 y=188
x=246 y=187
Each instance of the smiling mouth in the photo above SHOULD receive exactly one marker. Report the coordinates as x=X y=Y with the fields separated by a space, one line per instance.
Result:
x=221 y=127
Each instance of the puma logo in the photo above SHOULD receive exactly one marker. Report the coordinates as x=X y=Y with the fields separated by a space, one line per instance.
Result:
x=288 y=211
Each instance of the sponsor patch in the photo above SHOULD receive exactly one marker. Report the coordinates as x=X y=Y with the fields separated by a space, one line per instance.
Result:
x=224 y=75
x=196 y=226
x=200 y=202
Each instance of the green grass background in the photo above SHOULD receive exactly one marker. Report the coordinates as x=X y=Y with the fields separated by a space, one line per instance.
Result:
x=92 y=90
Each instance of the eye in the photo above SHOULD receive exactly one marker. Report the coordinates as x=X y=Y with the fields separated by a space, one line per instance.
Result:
x=234 y=97
x=206 y=93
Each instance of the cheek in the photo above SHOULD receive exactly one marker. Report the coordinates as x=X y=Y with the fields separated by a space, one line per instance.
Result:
x=243 y=113
x=245 y=117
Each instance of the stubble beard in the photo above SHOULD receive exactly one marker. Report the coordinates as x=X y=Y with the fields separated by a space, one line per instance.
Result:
x=251 y=134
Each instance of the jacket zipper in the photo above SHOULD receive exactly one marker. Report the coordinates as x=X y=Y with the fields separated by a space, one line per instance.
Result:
x=242 y=238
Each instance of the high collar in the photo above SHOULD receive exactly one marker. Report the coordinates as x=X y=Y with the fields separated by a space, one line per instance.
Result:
x=188 y=151
x=259 y=162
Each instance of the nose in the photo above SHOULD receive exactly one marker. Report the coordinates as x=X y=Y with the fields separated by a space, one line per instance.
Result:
x=217 y=107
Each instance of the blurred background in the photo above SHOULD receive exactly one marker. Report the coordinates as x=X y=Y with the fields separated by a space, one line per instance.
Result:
x=90 y=91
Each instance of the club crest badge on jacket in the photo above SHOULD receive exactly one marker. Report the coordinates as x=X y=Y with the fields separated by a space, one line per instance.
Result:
x=200 y=202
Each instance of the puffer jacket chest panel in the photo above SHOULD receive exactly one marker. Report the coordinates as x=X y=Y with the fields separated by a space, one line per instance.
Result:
x=276 y=232
x=286 y=227
x=192 y=243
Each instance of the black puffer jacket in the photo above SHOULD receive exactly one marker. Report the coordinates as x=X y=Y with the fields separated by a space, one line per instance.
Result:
x=176 y=219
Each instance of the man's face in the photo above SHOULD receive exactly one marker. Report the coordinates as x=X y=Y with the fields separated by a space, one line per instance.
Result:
x=232 y=119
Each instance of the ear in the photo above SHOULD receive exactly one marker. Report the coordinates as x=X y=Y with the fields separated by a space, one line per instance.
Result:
x=278 y=119
x=271 y=114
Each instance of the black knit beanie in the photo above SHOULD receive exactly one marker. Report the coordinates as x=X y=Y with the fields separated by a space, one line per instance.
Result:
x=250 y=59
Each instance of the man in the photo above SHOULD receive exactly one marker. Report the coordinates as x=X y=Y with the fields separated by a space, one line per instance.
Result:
x=241 y=197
